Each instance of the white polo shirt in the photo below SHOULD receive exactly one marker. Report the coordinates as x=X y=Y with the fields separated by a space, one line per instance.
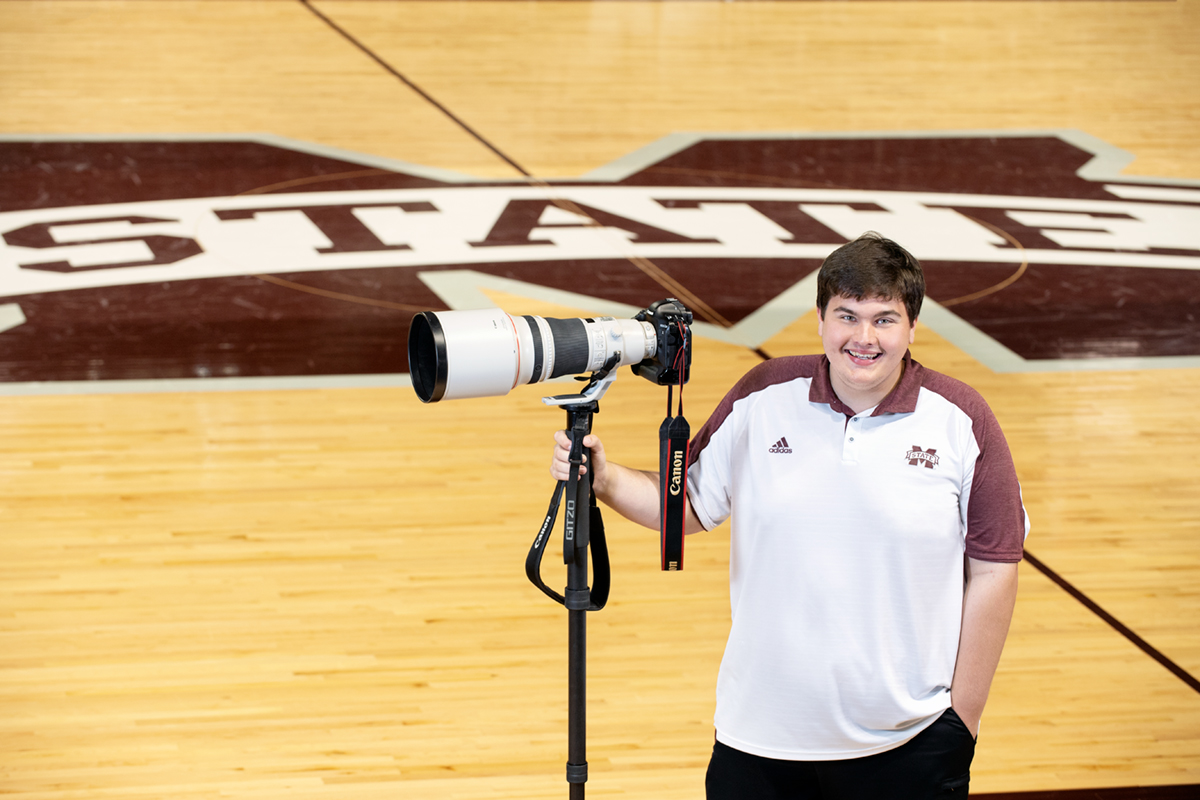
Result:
x=846 y=562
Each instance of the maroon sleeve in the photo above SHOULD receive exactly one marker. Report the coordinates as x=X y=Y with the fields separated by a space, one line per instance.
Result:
x=995 y=514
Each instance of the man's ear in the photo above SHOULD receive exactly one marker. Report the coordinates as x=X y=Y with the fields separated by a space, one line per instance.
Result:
x=912 y=332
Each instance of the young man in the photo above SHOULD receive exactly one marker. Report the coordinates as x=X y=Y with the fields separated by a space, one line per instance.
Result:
x=876 y=528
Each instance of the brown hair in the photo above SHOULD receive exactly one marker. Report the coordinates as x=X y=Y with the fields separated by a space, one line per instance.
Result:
x=872 y=266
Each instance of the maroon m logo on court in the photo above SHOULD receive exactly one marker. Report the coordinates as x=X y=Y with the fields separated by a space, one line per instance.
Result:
x=917 y=456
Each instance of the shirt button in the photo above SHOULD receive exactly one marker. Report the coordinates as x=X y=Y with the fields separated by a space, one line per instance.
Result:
x=852 y=438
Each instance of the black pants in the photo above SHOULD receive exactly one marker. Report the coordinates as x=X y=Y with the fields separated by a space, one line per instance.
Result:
x=933 y=765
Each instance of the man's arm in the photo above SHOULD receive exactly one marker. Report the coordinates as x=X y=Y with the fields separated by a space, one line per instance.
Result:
x=988 y=600
x=631 y=493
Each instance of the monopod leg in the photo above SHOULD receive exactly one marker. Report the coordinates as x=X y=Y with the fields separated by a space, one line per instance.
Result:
x=577 y=691
x=578 y=600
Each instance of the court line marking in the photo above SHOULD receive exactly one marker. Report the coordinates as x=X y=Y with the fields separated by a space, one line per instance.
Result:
x=1116 y=624
x=424 y=95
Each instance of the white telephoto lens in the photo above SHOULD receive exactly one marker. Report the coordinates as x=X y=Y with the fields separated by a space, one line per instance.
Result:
x=482 y=348
x=487 y=352
x=633 y=339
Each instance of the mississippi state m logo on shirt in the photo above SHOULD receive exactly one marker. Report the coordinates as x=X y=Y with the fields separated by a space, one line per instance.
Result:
x=917 y=457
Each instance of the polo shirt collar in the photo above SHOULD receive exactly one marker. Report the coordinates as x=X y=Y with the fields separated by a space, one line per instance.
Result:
x=901 y=400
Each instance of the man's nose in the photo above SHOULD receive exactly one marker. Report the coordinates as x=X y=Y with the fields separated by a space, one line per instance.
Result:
x=864 y=333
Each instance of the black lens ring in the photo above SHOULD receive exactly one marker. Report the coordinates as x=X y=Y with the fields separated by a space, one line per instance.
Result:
x=539 y=351
x=571 y=351
x=426 y=339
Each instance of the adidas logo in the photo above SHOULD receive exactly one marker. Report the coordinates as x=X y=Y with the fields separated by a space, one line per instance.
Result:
x=780 y=447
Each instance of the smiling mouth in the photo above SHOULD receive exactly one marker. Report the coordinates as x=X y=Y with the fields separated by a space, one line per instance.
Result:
x=863 y=356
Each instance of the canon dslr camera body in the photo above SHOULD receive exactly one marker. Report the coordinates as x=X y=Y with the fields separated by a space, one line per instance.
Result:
x=672 y=330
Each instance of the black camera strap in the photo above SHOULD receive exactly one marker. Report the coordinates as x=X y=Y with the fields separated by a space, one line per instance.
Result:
x=580 y=531
x=575 y=536
x=673 y=436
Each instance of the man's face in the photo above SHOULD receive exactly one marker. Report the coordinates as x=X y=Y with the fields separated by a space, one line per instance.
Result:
x=865 y=341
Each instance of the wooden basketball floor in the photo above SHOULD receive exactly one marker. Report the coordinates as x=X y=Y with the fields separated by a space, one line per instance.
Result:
x=318 y=592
